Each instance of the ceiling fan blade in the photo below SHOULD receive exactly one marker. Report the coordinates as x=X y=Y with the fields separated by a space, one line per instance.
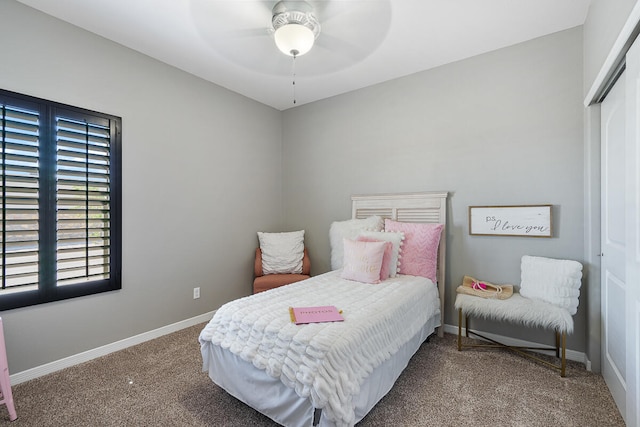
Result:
x=342 y=25
x=340 y=46
x=248 y=32
x=319 y=8
x=327 y=10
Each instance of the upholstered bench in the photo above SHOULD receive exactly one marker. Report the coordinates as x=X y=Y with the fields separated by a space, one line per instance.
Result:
x=543 y=280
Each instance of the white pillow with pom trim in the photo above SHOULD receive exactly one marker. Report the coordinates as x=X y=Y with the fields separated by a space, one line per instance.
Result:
x=349 y=229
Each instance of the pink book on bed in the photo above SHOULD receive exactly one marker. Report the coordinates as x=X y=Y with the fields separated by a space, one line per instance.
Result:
x=325 y=313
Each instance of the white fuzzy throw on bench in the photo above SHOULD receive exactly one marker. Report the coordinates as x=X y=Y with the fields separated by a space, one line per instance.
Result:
x=517 y=309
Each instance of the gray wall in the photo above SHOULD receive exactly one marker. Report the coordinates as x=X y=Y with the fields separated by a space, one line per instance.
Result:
x=201 y=173
x=503 y=128
x=601 y=29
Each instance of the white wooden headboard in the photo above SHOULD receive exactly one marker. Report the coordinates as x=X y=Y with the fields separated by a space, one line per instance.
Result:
x=430 y=207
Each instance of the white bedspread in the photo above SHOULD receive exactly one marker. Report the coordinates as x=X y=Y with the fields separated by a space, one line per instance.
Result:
x=325 y=362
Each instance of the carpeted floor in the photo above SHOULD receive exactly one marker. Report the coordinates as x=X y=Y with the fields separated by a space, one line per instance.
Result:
x=160 y=383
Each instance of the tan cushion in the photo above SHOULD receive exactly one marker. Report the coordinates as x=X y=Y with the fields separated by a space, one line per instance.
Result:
x=270 y=281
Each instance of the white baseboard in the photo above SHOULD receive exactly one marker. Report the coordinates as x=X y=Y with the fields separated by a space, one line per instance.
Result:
x=576 y=356
x=85 y=356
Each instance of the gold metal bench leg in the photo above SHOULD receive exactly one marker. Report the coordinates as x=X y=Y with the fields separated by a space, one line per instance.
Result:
x=564 y=353
x=466 y=325
x=560 y=345
x=459 y=329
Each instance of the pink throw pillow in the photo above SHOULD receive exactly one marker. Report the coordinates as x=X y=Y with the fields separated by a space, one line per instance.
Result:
x=420 y=248
x=396 y=242
x=386 y=257
x=362 y=261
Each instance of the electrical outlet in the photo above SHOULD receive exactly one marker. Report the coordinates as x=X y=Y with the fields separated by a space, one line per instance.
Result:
x=196 y=293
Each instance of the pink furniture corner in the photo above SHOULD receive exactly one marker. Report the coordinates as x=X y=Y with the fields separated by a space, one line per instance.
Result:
x=5 y=383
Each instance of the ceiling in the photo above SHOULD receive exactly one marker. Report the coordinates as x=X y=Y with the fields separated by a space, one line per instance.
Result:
x=362 y=42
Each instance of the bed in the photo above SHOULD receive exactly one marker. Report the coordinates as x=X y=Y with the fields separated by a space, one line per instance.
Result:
x=330 y=374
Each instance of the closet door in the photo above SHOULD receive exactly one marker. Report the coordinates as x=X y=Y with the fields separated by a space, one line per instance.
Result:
x=613 y=282
x=633 y=234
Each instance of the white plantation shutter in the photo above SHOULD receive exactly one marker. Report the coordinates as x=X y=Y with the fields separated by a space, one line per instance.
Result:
x=83 y=200
x=60 y=208
x=20 y=194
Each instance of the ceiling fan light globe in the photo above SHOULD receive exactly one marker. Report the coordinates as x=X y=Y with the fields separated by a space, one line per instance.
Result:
x=294 y=39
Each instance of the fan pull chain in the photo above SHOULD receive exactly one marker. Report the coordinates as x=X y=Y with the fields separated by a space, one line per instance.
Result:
x=295 y=53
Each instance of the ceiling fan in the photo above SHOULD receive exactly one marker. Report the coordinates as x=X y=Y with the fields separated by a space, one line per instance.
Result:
x=247 y=33
x=295 y=27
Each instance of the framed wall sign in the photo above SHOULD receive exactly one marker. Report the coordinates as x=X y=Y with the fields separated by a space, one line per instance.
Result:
x=525 y=220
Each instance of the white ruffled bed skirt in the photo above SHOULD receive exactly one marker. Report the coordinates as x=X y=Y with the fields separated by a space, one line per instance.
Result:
x=270 y=397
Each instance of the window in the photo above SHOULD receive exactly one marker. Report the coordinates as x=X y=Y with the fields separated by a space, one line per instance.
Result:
x=60 y=224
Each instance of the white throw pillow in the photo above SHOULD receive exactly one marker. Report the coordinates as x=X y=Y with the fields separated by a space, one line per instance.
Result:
x=349 y=229
x=555 y=281
x=282 y=252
